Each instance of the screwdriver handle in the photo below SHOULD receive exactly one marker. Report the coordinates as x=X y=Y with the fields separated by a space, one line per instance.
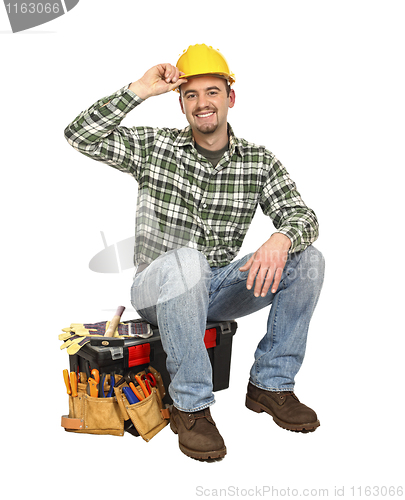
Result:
x=67 y=381
x=93 y=387
x=144 y=390
x=73 y=384
x=132 y=386
x=96 y=375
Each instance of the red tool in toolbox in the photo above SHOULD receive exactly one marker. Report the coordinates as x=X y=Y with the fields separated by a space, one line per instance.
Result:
x=120 y=355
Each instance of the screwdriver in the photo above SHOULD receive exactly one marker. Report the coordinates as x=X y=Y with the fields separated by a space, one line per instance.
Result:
x=93 y=382
x=73 y=363
x=126 y=378
x=67 y=381
x=73 y=384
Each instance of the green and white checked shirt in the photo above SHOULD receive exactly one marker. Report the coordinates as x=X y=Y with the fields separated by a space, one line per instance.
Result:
x=182 y=199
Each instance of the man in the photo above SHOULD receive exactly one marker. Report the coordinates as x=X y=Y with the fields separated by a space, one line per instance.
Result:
x=198 y=190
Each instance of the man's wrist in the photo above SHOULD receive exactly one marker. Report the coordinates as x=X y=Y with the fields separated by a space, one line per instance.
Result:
x=282 y=239
x=139 y=89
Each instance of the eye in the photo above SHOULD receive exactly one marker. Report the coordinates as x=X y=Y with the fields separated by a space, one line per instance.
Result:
x=212 y=93
x=190 y=96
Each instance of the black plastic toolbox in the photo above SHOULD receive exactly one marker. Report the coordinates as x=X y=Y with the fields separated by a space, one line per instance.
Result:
x=121 y=355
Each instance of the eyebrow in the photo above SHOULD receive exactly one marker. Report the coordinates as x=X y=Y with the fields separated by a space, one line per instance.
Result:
x=208 y=88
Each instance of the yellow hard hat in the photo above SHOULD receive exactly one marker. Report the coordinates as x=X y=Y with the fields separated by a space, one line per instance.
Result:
x=200 y=59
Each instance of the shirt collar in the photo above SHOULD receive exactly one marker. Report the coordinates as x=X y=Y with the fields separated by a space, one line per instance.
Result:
x=185 y=138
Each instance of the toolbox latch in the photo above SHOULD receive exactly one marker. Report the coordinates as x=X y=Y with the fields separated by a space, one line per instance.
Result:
x=225 y=327
x=117 y=352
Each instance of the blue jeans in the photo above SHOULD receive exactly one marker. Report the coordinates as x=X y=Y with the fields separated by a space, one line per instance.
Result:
x=179 y=292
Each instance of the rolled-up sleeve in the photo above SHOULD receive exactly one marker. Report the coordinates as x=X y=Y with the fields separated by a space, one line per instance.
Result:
x=96 y=133
x=282 y=202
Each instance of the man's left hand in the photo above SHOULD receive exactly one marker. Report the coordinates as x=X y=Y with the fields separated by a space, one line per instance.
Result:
x=267 y=263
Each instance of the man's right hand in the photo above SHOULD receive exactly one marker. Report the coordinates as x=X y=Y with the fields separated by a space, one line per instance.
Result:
x=158 y=80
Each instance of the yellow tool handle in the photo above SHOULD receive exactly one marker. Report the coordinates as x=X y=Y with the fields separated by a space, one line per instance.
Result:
x=73 y=383
x=96 y=375
x=93 y=387
x=67 y=381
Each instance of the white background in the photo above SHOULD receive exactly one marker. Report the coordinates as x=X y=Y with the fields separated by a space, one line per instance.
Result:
x=321 y=84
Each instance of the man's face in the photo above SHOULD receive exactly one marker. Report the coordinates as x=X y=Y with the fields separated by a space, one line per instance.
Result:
x=205 y=103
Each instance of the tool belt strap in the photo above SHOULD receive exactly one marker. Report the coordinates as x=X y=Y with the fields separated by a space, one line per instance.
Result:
x=165 y=413
x=72 y=423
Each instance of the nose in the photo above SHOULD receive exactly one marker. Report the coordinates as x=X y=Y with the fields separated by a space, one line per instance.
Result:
x=202 y=101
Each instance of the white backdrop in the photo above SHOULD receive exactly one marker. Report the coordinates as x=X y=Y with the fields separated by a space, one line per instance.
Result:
x=320 y=83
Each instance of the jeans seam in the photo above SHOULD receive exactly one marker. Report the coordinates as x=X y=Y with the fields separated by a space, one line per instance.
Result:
x=272 y=335
x=169 y=341
x=199 y=408
x=271 y=389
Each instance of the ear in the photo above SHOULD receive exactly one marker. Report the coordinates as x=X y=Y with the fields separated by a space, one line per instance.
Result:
x=232 y=98
x=181 y=104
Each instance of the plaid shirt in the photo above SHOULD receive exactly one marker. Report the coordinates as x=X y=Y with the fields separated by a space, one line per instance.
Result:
x=182 y=199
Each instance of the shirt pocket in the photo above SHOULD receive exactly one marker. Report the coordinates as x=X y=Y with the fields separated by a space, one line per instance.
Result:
x=231 y=215
x=239 y=209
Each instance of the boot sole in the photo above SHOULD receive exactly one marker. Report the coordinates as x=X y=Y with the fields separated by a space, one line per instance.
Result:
x=258 y=408
x=198 y=455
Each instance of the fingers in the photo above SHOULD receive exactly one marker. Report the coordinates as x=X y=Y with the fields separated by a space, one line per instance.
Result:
x=254 y=273
x=265 y=278
x=171 y=75
x=252 y=266
x=262 y=275
x=158 y=80
x=277 y=279
x=263 y=281
x=246 y=267
x=267 y=264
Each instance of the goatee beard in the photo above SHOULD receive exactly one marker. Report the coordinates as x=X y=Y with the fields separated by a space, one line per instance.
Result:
x=210 y=129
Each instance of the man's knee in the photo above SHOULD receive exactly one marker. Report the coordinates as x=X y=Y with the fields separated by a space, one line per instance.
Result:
x=312 y=264
x=187 y=266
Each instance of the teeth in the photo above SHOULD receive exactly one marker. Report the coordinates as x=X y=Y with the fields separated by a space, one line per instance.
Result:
x=204 y=116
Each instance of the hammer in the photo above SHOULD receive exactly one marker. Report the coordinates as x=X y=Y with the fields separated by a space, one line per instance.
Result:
x=114 y=322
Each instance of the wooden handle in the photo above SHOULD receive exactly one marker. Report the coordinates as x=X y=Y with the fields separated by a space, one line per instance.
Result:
x=114 y=322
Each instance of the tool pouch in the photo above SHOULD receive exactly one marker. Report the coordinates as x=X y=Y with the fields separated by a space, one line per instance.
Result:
x=148 y=416
x=91 y=415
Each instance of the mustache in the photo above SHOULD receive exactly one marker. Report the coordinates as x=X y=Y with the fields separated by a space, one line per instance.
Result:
x=206 y=109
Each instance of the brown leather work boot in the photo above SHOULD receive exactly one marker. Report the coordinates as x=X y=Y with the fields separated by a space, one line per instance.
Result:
x=198 y=435
x=284 y=407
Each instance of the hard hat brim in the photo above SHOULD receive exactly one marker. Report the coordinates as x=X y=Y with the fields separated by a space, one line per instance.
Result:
x=230 y=78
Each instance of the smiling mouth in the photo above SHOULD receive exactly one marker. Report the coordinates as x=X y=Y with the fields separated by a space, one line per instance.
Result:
x=205 y=115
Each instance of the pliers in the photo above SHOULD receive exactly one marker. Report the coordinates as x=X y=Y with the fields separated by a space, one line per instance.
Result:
x=112 y=384
x=127 y=378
